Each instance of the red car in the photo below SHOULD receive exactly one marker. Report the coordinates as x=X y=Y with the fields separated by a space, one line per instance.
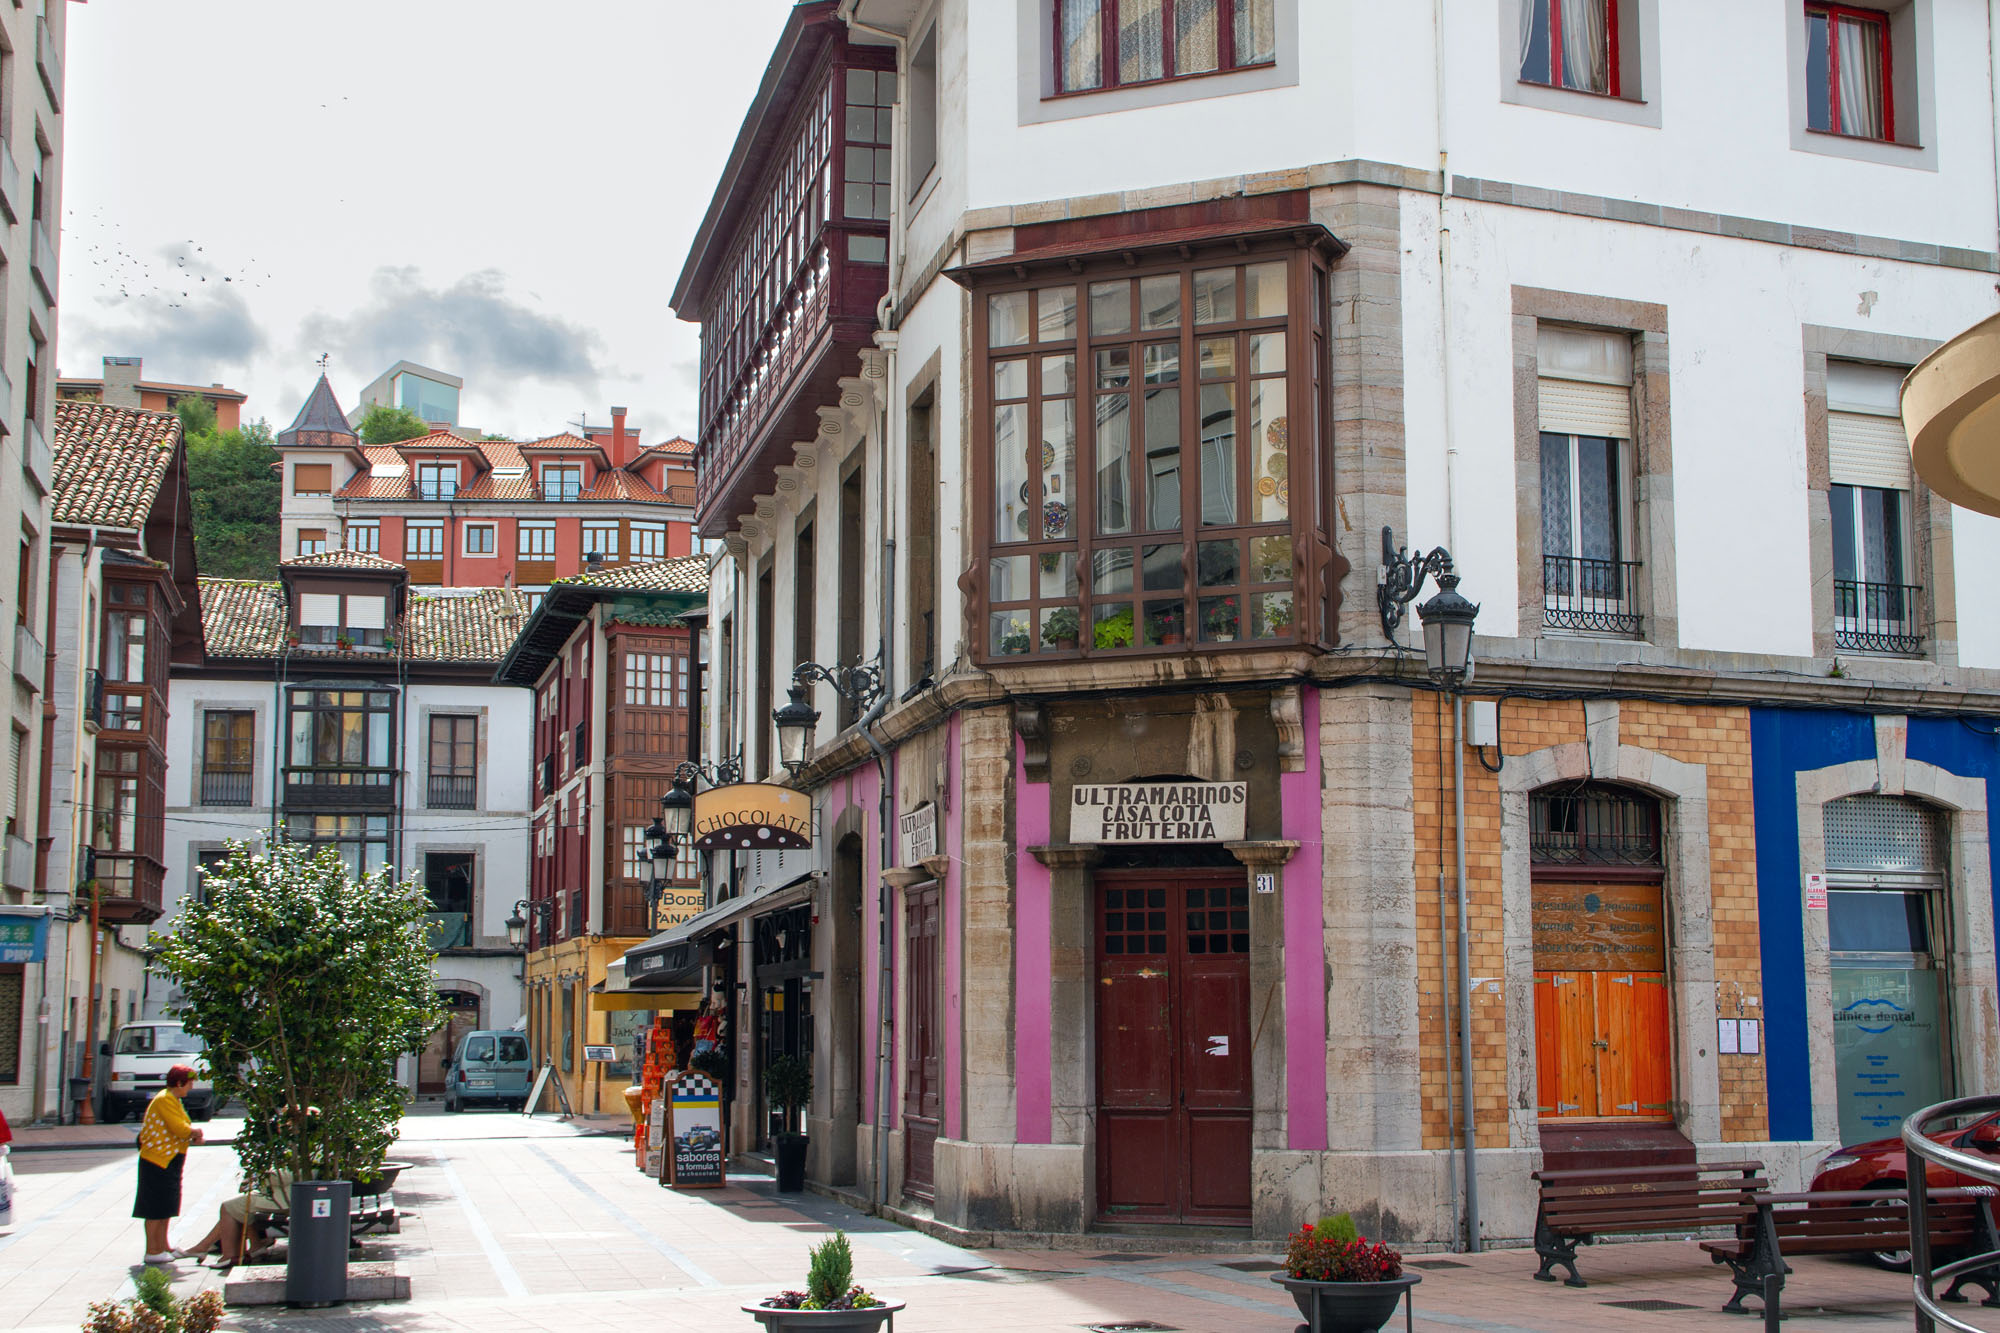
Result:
x=1882 y=1164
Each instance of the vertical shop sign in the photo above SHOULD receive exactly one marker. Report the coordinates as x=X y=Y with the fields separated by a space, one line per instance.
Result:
x=697 y=1131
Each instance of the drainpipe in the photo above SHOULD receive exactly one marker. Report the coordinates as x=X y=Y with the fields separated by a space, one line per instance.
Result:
x=1466 y=1127
x=885 y=1045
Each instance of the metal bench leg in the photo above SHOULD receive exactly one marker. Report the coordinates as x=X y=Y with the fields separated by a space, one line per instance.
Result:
x=1756 y=1272
x=1557 y=1251
x=1984 y=1241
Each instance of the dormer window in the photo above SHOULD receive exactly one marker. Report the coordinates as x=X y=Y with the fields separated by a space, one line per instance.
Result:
x=562 y=481
x=437 y=481
x=327 y=618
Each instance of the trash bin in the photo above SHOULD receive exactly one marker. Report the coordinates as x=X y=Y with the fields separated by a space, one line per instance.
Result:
x=316 y=1266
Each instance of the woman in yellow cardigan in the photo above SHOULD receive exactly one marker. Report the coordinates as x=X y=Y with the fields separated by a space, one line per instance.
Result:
x=164 y=1137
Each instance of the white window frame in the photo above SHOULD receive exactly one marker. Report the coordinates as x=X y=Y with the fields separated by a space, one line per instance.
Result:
x=444 y=479
x=492 y=531
x=564 y=469
x=601 y=530
x=372 y=527
x=537 y=527
x=416 y=525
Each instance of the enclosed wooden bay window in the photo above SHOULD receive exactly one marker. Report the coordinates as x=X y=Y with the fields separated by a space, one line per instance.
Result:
x=1150 y=456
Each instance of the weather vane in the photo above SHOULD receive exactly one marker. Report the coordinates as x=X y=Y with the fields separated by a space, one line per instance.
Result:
x=324 y=357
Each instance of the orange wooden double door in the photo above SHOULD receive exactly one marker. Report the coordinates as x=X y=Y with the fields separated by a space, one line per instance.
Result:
x=1603 y=1027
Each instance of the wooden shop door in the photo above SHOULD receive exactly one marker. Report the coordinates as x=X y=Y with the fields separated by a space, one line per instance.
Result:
x=920 y=1045
x=1603 y=1030
x=1173 y=1048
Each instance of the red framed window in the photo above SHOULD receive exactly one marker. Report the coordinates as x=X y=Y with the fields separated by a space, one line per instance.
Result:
x=1571 y=44
x=1118 y=43
x=1848 y=88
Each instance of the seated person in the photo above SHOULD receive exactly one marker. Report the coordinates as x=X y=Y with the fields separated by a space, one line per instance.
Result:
x=226 y=1236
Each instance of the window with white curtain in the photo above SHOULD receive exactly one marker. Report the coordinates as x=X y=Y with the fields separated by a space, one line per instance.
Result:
x=1589 y=575
x=1875 y=597
x=1571 y=44
x=1847 y=72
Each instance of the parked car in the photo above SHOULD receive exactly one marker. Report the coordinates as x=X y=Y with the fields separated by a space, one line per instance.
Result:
x=1882 y=1164
x=136 y=1065
x=489 y=1068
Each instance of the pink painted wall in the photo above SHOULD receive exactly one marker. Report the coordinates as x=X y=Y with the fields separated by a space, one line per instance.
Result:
x=861 y=789
x=953 y=928
x=1033 y=1113
x=1305 y=949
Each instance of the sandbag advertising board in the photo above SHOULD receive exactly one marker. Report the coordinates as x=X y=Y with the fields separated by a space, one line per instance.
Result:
x=697 y=1131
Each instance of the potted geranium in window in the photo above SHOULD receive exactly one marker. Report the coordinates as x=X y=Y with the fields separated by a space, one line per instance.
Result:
x=1354 y=1283
x=832 y=1299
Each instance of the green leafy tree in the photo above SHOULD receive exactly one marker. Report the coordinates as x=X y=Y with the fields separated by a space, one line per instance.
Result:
x=197 y=415
x=383 y=424
x=305 y=984
x=233 y=484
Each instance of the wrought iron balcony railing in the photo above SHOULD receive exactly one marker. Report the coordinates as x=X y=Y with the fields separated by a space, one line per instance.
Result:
x=452 y=791
x=1878 y=617
x=225 y=786
x=1591 y=596
x=340 y=788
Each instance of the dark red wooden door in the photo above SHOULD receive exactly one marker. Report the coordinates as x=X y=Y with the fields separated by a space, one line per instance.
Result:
x=1173 y=1049
x=920 y=1048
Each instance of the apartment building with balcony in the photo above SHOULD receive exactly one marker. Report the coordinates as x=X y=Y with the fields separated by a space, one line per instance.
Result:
x=478 y=512
x=1184 y=303
x=32 y=132
x=343 y=707
x=607 y=662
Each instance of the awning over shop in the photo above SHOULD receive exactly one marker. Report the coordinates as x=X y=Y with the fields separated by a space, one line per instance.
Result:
x=662 y=961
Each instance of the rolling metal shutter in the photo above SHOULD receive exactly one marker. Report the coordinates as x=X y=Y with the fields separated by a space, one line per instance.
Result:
x=1889 y=834
x=1867 y=450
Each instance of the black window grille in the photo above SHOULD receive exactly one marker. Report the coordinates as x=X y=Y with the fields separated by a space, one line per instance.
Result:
x=1593 y=824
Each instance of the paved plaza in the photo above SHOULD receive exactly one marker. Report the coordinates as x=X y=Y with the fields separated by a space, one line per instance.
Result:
x=516 y=1225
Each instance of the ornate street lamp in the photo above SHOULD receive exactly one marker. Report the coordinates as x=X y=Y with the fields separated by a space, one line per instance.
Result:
x=1447 y=620
x=517 y=924
x=859 y=685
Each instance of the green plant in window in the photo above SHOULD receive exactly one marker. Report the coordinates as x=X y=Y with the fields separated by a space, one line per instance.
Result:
x=1015 y=641
x=1063 y=627
x=1114 y=631
x=1278 y=616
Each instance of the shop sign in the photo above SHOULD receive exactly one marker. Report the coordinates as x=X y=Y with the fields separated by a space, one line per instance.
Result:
x=752 y=817
x=1139 y=812
x=600 y=1054
x=24 y=939
x=919 y=833
x=1598 y=928
x=697 y=1131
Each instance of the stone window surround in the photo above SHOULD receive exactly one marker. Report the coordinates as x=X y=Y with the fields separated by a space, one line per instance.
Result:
x=1652 y=462
x=1682 y=789
x=421 y=740
x=1930 y=514
x=1912 y=67
x=1638 y=100
x=260 y=776
x=1035 y=49
x=419 y=850
x=1974 y=987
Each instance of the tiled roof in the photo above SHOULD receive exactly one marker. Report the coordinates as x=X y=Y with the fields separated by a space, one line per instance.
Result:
x=686 y=573
x=367 y=486
x=564 y=441
x=361 y=560
x=320 y=422
x=242 y=619
x=157 y=386
x=109 y=462
x=464 y=624
x=487 y=486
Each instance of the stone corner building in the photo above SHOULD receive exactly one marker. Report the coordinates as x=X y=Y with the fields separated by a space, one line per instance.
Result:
x=1074 y=365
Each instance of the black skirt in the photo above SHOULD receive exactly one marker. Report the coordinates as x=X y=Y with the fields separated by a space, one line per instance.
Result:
x=159 y=1189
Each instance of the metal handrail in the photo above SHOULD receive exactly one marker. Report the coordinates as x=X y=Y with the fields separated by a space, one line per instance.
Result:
x=1919 y=1148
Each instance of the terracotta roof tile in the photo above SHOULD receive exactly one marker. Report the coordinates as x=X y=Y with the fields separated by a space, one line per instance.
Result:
x=490 y=487
x=565 y=440
x=109 y=462
x=243 y=619
x=363 y=560
x=686 y=573
x=366 y=486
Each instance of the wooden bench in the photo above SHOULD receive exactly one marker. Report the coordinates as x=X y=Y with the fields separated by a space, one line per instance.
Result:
x=1856 y=1222
x=1576 y=1207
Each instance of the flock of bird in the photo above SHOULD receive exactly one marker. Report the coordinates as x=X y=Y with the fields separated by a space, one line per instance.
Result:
x=177 y=271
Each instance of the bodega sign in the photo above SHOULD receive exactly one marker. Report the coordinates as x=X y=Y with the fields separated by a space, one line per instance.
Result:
x=1158 y=812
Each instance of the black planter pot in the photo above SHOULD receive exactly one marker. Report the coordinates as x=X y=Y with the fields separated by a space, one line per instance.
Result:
x=792 y=1177
x=824 y=1321
x=1346 y=1307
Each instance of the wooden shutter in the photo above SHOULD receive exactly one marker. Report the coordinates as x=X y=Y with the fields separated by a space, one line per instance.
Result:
x=312 y=479
x=1867 y=450
x=1577 y=407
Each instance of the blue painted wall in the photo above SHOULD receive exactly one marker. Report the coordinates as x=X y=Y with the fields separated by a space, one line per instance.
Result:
x=1785 y=742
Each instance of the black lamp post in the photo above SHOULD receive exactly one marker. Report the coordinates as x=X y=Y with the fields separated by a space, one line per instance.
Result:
x=860 y=685
x=1447 y=620
x=517 y=924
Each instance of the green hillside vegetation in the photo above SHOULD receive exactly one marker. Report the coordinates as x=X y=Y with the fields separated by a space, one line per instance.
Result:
x=233 y=482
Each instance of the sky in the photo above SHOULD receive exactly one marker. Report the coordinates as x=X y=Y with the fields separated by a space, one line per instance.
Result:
x=500 y=189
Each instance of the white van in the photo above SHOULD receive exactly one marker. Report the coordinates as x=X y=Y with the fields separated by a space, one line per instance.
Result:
x=136 y=1064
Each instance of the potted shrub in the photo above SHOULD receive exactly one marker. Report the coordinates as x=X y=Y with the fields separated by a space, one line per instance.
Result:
x=346 y=642
x=1342 y=1282
x=1222 y=619
x=831 y=1301
x=155 y=1307
x=1115 y=630
x=1063 y=628
x=788 y=1084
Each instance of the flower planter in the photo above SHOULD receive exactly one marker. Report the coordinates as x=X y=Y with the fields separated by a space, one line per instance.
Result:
x=1346 y=1307
x=827 y=1321
x=790 y=1152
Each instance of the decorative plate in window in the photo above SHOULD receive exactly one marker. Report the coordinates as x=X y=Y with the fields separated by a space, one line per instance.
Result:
x=1285 y=491
x=1026 y=499
x=1055 y=517
x=1021 y=522
x=1266 y=486
x=1278 y=465
x=1278 y=433
x=1048 y=456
